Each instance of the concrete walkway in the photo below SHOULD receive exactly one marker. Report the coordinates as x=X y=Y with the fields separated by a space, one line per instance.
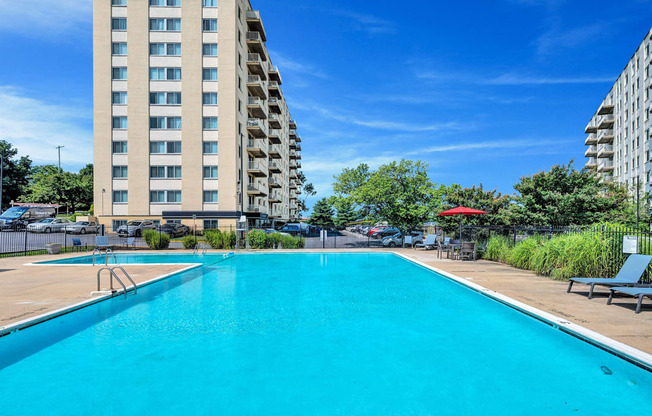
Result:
x=27 y=291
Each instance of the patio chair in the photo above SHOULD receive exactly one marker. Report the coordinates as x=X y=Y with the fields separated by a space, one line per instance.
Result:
x=629 y=275
x=637 y=292
x=102 y=242
x=430 y=242
x=131 y=242
x=408 y=241
x=77 y=244
x=467 y=252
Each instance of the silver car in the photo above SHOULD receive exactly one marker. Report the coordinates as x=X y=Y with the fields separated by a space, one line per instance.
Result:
x=397 y=239
x=48 y=225
x=83 y=227
x=136 y=228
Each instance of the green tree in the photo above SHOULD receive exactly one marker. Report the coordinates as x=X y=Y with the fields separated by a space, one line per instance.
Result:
x=70 y=190
x=308 y=191
x=400 y=192
x=322 y=213
x=493 y=202
x=346 y=212
x=16 y=173
x=566 y=196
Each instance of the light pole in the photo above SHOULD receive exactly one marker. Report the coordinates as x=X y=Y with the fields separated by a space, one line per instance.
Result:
x=2 y=165
x=59 y=151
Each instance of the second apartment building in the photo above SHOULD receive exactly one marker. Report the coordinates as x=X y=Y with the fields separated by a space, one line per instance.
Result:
x=190 y=121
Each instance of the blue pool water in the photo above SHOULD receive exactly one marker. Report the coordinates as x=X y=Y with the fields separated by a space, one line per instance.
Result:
x=309 y=334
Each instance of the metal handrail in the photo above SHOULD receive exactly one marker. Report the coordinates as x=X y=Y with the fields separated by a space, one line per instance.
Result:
x=127 y=275
x=106 y=255
x=114 y=274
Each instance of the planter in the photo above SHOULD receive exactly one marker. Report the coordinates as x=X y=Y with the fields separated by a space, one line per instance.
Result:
x=53 y=248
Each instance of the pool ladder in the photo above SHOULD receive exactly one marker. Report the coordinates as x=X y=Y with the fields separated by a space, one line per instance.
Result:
x=203 y=247
x=113 y=274
x=106 y=255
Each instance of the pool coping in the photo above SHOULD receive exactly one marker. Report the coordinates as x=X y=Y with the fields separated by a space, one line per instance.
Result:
x=621 y=350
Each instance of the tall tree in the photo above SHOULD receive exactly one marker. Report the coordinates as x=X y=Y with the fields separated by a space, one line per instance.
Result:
x=16 y=173
x=70 y=190
x=322 y=213
x=346 y=212
x=493 y=202
x=308 y=191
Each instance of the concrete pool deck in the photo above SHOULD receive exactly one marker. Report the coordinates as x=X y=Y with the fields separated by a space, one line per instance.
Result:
x=28 y=291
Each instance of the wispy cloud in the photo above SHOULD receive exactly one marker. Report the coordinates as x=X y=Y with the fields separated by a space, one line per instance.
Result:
x=556 y=39
x=301 y=67
x=35 y=127
x=43 y=19
x=365 y=22
x=499 y=144
x=511 y=79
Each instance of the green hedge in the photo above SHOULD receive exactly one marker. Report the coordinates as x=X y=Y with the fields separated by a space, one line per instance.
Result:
x=189 y=242
x=221 y=240
x=156 y=240
x=258 y=239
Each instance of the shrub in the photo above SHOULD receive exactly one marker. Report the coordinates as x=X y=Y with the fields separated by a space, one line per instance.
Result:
x=521 y=254
x=273 y=240
x=158 y=241
x=221 y=241
x=289 y=242
x=498 y=248
x=148 y=235
x=189 y=242
x=257 y=239
x=229 y=240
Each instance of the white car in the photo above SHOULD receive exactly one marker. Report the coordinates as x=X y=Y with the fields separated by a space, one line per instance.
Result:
x=83 y=227
x=397 y=239
x=48 y=225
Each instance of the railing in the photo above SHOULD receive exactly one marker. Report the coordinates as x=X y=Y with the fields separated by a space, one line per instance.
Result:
x=605 y=132
x=253 y=79
x=257 y=208
x=253 y=15
x=275 y=117
x=293 y=132
x=591 y=138
x=274 y=132
x=254 y=122
x=273 y=84
x=113 y=275
x=274 y=182
x=255 y=101
x=274 y=100
x=253 y=187
x=607 y=148
x=256 y=166
x=255 y=144
x=606 y=117
x=274 y=165
x=592 y=162
x=254 y=58
x=251 y=35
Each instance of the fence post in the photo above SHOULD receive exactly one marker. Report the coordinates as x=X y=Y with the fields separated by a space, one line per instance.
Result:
x=25 y=240
x=514 y=235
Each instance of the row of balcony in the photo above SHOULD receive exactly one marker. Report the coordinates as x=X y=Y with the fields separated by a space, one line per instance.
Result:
x=606 y=165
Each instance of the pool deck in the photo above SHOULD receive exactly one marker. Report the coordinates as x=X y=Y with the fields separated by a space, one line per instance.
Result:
x=28 y=291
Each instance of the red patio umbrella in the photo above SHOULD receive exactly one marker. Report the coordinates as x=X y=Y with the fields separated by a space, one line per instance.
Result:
x=462 y=211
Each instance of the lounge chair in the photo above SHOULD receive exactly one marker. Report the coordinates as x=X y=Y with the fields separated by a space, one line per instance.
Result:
x=430 y=242
x=629 y=275
x=637 y=292
x=467 y=252
x=408 y=241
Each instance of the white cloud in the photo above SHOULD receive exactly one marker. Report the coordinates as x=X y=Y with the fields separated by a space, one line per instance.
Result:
x=499 y=144
x=367 y=23
x=286 y=63
x=36 y=127
x=512 y=79
x=555 y=39
x=45 y=19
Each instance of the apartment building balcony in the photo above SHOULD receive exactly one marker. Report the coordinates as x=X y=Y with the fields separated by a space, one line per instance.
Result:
x=608 y=177
x=592 y=163
x=293 y=124
x=293 y=134
x=606 y=122
x=293 y=196
x=256 y=189
x=275 y=167
x=299 y=163
x=591 y=139
x=293 y=164
x=591 y=151
x=256 y=107
x=298 y=139
x=295 y=154
x=256 y=43
x=293 y=185
x=257 y=209
x=274 y=121
x=255 y=65
x=256 y=87
x=606 y=136
x=274 y=151
x=256 y=147
x=293 y=174
x=606 y=165
x=273 y=182
x=298 y=191
x=605 y=151
x=606 y=109
x=293 y=144
x=592 y=127
x=275 y=136
x=257 y=169
x=274 y=89
x=274 y=197
x=298 y=147
x=256 y=127
x=255 y=23
x=273 y=73
x=274 y=104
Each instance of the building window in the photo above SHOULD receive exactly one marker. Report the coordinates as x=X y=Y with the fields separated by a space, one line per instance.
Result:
x=119 y=148
x=209 y=25
x=119 y=98
x=165 y=98
x=210 y=123
x=119 y=123
x=119 y=172
x=119 y=74
x=120 y=197
x=165 y=3
x=210 y=197
x=209 y=98
x=210 y=3
x=119 y=48
x=115 y=224
x=119 y=23
x=165 y=172
x=165 y=74
x=118 y=2
x=210 y=148
x=211 y=224
x=165 y=197
x=165 y=25
x=165 y=123
x=210 y=172
x=165 y=49
x=210 y=49
x=170 y=148
x=209 y=74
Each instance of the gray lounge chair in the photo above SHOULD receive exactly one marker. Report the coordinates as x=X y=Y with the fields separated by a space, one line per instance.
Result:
x=637 y=292
x=430 y=242
x=629 y=275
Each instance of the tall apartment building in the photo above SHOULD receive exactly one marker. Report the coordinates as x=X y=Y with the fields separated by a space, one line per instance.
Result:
x=619 y=132
x=190 y=122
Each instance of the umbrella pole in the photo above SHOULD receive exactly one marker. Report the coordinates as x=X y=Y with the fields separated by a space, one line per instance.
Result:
x=461 y=228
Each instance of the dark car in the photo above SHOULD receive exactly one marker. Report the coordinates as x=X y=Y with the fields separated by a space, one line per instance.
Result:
x=175 y=230
x=384 y=233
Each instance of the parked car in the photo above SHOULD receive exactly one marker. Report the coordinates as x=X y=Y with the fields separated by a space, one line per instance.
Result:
x=20 y=217
x=83 y=227
x=136 y=228
x=293 y=229
x=49 y=225
x=384 y=233
x=376 y=229
x=175 y=230
x=397 y=239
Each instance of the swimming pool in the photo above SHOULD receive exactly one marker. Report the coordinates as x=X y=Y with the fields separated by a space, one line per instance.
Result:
x=309 y=334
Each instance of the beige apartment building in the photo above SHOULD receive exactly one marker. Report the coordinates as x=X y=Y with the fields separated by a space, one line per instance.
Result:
x=190 y=121
x=618 y=142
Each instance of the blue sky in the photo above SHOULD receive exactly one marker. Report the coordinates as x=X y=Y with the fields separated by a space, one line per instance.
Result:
x=483 y=91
